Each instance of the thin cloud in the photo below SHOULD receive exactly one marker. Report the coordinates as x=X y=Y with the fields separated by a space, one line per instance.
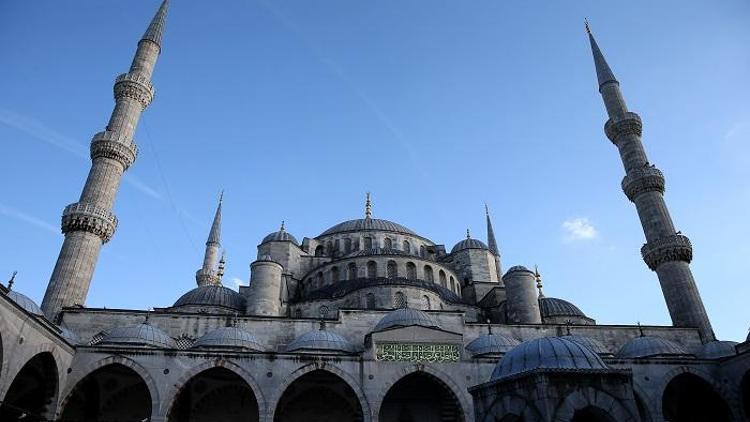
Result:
x=579 y=228
x=735 y=146
x=237 y=282
x=19 y=215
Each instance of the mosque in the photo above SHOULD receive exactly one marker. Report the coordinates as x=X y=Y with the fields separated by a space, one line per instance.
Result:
x=366 y=321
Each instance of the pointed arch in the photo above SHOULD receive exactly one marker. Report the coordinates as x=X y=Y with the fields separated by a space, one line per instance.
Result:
x=33 y=390
x=372 y=269
x=351 y=271
x=593 y=404
x=392 y=269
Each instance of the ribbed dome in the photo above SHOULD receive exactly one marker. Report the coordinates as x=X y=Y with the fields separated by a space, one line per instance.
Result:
x=280 y=236
x=320 y=340
x=230 y=337
x=139 y=335
x=405 y=317
x=650 y=346
x=212 y=296
x=717 y=349
x=367 y=224
x=25 y=302
x=517 y=268
x=491 y=344
x=595 y=345
x=547 y=353
x=469 y=244
x=552 y=306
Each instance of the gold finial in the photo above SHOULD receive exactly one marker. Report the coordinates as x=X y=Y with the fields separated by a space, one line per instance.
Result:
x=12 y=280
x=368 y=206
x=586 y=24
x=468 y=234
x=538 y=280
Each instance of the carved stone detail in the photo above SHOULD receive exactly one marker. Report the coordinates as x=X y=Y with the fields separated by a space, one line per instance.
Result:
x=645 y=179
x=676 y=247
x=135 y=86
x=627 y=124
x=108 y=145
x=90 y=218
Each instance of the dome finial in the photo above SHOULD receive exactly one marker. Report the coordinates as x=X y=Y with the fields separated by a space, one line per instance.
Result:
x=282 y=228
x=12 y=280
x=538 y=280
x=489 y=326
x=468 y=234
x=368 y=206
x=640 y=328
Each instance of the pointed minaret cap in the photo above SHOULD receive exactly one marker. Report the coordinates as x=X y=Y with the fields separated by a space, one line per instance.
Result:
x=491 y=242
x=156 y=27
x=603 y=73
x=368 y=206
x=214 y=237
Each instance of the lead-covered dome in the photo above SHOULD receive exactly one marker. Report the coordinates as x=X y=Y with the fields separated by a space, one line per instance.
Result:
x=215 y=295
x=595 y=345
x=717 y=349
x=650 y=346
x=405 y=317
x=552 y=306
x=320 y=340
x=143 y=334
x=280 y=236
x=469 y=243
x=491 y=344
x=554 y=353
x=229 y=337
x=25 y=302
x=367 y=224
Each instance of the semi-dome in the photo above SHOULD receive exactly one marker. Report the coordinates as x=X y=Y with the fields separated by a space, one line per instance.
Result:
x=595 y=345
x=229 y=337
x=650 y=346
x=280 y=236
x=491 y=344
x=367 y=224
x=469 y=243
x=717 y=349
x=552 y=306
x=143 y=334
x=405 y=317
x=215 y=295
x=554 y=353
x=320 y=340
x=25 y=302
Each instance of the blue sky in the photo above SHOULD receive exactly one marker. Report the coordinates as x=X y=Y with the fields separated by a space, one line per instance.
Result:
x=298 y=108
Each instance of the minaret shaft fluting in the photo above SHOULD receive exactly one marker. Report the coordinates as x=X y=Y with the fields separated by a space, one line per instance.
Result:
x=90 y=222
x=667 y=252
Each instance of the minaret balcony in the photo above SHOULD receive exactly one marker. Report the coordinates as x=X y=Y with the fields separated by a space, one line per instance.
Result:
x=626 y=124
x=645 y=179
x=108 y=144
x=90 y=218
x=135 y=86
x=676 y=247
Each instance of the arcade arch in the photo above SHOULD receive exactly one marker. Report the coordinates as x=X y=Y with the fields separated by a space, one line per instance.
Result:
x=420 y=396
x=318 y=395
x=33 y=391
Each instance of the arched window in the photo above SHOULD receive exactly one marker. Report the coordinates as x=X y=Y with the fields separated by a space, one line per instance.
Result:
x=411 y=271
x=337 y=245
x=453 y=285
x=351 y=269
x=407 y=246
x=392 y=269
x=422 y=251
x=347 y=245
x=335 y=274
x=399 y=300
x=319 y=250
x=427 y=304
x=452 y=281
x=370 y=301
x=441 y=277
x=329 y=247
x=372 y=269
x=387 y=243
x=368 y=242
x=428 y=276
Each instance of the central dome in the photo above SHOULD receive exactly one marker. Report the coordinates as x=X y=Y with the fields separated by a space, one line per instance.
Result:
x=367 y=224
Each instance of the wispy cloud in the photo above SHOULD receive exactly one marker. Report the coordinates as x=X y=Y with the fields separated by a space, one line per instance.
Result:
x=41 y=132
x=27 y=218
x=735 y=146
x=579 y=228
x=237 y=282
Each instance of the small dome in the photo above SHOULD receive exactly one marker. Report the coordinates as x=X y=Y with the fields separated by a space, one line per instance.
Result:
x=717 y=349
x=491 y=344
x=469 y=243
x=143 y=334
x=547 y=353
x=320 y=340
x=367 y=224
x=552 y=306
x=518 y=268
x=25 y=302
x=405 y=317
x=595 y=345
x=280 y=236
x=230 y=337
x=212 y=296
x=650 y=346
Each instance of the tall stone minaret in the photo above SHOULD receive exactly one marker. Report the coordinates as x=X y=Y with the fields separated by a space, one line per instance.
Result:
x=492 y=244
x=208 y=275
x=89 y=223
x=666 y=251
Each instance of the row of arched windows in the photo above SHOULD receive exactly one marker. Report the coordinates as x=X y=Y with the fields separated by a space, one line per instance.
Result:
x=334 y=247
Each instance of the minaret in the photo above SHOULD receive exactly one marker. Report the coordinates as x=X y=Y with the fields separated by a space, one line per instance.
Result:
x=492 y=244
x=667 y=252
x=89 y=223
x=208 y=275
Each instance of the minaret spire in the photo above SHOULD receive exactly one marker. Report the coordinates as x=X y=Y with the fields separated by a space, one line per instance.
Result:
x=90 y=222
x=667 y=251
x=492 y=244
x=209 y=274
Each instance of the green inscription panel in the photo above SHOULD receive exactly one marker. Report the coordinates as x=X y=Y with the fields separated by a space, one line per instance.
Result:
x=416 y=352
